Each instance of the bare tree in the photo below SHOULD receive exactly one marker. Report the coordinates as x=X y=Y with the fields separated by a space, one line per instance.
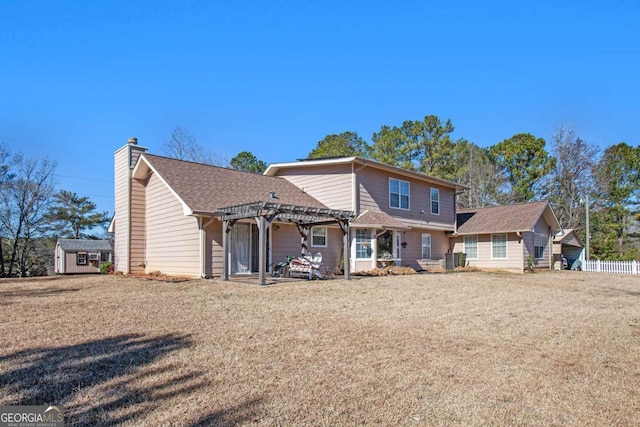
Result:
x=184 y=146
x=571 y=179
x=24 y=202
x=476 y=171
x=8 y=161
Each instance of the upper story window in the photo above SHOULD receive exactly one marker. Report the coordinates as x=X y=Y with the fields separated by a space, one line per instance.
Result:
x=319 y=236
x=435 y=201
x=398 y=194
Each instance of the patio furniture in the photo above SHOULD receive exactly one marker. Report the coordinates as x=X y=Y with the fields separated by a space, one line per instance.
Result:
x=307 y=266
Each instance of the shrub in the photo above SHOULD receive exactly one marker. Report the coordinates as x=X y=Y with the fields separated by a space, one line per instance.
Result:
x=530 y=263
x=106 y=268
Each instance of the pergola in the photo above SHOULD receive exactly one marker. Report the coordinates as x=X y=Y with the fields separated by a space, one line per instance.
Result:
x=304 y=217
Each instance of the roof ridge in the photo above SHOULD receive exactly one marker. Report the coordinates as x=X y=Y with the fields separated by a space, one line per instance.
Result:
x=204 y=164
x=501 y=206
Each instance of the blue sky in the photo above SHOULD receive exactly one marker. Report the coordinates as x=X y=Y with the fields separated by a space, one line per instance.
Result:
x=77 y=78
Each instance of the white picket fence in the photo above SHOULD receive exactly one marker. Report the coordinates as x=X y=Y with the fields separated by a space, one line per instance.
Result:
x=619 y=267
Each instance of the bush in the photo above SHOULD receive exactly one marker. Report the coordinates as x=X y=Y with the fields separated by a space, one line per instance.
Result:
x=106 y=268
x=530 y=263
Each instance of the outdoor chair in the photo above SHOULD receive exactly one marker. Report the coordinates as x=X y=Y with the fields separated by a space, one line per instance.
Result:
x=306 y=266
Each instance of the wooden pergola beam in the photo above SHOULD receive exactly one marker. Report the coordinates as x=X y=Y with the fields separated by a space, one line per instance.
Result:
x=304 y=217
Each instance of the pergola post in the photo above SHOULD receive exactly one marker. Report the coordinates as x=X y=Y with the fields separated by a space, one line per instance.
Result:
x=262 y=249
x=225 y=250
x=304 y=235
x=346 y=255
x=304 y=217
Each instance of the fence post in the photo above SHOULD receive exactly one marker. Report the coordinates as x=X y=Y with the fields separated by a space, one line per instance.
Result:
x=598 y=265
x=634 y=267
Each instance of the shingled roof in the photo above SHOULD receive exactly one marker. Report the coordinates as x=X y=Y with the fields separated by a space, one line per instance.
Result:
x=505 y=219
x=375 y=219
x=84 y=245
x=205 y=189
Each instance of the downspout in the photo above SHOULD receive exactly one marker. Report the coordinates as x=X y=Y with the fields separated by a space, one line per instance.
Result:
x=521 y=242
x=203 y=239
x=550 y=246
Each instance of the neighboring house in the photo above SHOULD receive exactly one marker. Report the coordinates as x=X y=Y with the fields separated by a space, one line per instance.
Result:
x=567 y=245
x=503 y=237
x=187 y=218
x=81 y=256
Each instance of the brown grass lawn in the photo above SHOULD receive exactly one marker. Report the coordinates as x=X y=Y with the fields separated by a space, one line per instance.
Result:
x=549 y=348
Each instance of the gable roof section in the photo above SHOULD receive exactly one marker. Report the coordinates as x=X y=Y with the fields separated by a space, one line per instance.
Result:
x=84 y=245
x=375 y=219
x=568 y=237
x=274 y=168
x=519 y=217
x=204 y=189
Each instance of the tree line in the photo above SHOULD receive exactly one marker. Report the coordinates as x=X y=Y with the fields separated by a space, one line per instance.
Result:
x=573 y=174
x=33 y=215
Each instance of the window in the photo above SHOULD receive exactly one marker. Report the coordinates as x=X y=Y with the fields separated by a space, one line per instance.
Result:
x=363 y=243
x=471 y=247
x=398 y=194
x=82 y=258
x=384 y=244
x=539 y=243
x=93 y=257
x=319 y=236
x=426 y=246
x=435 y=201
x=105 y=256
x=499 y=246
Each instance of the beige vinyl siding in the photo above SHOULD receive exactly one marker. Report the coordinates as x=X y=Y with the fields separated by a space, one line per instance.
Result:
x=71 y=259
x=331 y=254
x=514 y=261
x=173 y=239
x=331 y=185
x=363 y=265
x=412 y=254
x=214 y=234
x=138 y=238
x=374 y=195
x=124 y=159
x=543 y=228
x=527 y=248
x=286 y=242
x=121 y=213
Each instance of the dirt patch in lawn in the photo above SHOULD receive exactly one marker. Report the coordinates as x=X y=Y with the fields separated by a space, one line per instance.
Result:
x=472 y=348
